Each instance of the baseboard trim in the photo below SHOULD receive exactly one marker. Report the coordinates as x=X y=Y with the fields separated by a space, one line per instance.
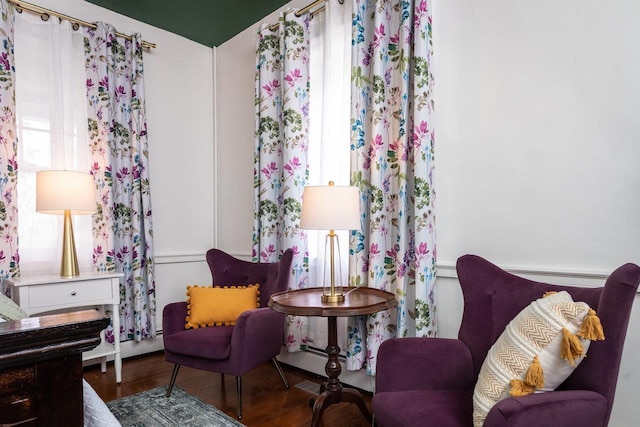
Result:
x=311 y=361
x=133 y=349
x=314 y=362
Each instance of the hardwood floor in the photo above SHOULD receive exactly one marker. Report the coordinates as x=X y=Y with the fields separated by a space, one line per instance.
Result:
x=265 y=402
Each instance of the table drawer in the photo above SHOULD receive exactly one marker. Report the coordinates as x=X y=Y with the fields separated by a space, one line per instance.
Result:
x=72 y=294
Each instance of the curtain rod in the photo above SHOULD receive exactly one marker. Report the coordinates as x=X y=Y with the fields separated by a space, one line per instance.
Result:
x=21 y=5
x=306 y=9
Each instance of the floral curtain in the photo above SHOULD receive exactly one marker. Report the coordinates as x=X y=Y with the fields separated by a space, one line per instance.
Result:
x=392 y=143
x=280 y=157
x=9 y=260
x=123 y=237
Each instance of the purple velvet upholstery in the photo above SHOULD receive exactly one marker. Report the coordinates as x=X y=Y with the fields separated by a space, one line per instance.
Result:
x=257 y=335
x=430 y=381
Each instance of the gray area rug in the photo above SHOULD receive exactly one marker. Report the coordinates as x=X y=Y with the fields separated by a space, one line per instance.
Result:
x=152 y=409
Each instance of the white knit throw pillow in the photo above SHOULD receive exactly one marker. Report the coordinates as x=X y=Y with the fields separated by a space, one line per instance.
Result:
x=537 y=351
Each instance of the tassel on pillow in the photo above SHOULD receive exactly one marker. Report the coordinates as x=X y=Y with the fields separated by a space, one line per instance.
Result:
x=591 y=328
x=534 y=379
x=535 y=376
x=520 y=388
x=571 y=347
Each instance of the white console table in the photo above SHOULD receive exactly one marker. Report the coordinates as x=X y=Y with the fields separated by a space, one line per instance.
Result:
x=41 y=294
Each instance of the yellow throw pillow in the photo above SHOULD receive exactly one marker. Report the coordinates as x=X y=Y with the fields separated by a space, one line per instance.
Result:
x=217 y=306
x=537 y=351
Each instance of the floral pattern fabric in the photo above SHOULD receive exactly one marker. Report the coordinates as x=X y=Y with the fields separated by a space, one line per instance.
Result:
x=280 y=157
x=392 y=147
x=123 y=237
x=9 y=259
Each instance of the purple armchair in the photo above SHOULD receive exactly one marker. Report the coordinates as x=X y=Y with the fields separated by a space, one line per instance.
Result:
x=430 y=381
x=234 y=350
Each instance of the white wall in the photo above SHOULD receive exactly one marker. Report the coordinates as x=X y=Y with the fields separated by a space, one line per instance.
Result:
x=537 y=132
x=536 y=146
x=179 y=100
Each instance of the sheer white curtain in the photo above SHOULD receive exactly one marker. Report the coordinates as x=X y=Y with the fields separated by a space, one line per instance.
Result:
x=329 y=144
x=52 y=134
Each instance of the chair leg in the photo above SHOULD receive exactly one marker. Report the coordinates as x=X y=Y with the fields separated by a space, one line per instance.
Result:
x=239 y=389
x=279 y=368
x=174 y=374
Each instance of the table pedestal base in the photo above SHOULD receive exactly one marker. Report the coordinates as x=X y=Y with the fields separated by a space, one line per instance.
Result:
x=328 y=398
x=332 y=391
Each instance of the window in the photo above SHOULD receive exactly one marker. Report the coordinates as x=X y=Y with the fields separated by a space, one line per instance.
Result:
x=329 y=135
x=51 y=116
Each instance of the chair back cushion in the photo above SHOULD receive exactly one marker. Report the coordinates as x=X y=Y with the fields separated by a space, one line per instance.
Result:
x=227 y=270
x=493 y=297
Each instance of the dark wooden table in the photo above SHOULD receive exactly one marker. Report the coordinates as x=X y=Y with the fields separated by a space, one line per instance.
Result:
x=358 y=301
x=41 y=367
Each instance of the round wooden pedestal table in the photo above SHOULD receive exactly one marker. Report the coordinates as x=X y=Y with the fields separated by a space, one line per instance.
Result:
x=358 y=301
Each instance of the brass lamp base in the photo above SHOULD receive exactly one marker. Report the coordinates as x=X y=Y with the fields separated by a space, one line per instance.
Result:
x=69 y=259
x=332 y=298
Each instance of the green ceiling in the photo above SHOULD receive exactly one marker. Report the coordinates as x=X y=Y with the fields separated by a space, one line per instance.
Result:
x=210 y=22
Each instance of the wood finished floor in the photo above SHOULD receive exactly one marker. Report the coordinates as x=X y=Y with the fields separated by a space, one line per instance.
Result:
x=266 y=402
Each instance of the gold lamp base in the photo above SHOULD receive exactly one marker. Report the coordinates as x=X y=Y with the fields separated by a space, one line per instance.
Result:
x=69 y=261
x=331 y=294
x=332 y=298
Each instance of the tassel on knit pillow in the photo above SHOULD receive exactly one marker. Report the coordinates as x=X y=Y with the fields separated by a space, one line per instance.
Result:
x=537 y=351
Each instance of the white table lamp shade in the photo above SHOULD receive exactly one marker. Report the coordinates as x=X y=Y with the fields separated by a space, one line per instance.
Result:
x=331 y=207
x=60 y=190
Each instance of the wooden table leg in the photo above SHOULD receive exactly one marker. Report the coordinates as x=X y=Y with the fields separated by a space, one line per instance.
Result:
x=332 y=391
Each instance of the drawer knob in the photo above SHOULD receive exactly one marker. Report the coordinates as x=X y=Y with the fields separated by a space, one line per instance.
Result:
x=73 y=293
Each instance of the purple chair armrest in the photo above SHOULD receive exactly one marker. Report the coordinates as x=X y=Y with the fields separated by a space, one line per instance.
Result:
x=258 y=335
x=568 y=408
x=407 y=364
x=173 y=318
